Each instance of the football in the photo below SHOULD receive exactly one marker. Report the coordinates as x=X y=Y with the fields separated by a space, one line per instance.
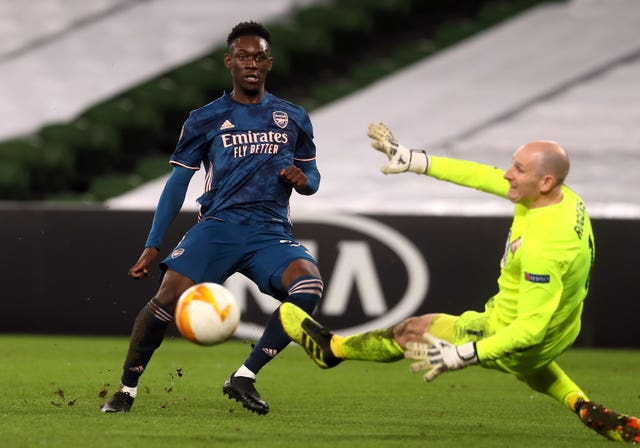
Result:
x=207 y=314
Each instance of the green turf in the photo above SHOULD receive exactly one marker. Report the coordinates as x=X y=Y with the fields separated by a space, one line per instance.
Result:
x=52 y=388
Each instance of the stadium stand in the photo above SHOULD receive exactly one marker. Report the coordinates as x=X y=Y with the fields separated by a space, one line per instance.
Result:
x=562 y=71
x=58 y=57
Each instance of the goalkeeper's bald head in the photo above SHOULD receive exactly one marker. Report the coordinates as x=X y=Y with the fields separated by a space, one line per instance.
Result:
x=552 y=158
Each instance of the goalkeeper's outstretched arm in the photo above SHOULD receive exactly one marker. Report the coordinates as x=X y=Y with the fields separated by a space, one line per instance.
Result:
x=400 y=158
x=461 y=172
x=437 y=356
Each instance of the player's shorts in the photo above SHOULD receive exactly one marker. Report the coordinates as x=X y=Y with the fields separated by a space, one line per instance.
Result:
x=213 y=250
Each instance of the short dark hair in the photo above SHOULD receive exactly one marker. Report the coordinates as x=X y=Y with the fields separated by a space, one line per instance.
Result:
x=250 y=28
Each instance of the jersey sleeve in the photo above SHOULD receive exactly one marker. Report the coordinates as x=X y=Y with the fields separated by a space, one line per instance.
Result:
x=305 y=147
x=469 y=174
x=310 y=169
x=539 y=296
x=305 y=155
x=169 y=205
x=191 y=145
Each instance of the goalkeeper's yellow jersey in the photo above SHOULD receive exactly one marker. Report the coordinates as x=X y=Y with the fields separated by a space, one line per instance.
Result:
x=544 y=273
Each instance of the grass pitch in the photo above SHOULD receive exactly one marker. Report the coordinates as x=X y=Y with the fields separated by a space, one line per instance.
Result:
x=52 y=388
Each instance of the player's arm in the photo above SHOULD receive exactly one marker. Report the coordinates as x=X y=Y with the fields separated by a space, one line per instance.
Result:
x=303 y=176
x=540 y=292
x=461 y=172
x=437 y=356
x=469 y=174
x=169 y=205
x=539 y=296
x=536 y=307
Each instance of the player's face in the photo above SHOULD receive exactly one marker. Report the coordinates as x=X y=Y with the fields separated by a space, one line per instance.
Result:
x=525 y=180
x=249 y=62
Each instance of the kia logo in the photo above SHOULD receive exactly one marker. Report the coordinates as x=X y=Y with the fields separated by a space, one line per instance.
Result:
x=374 y=276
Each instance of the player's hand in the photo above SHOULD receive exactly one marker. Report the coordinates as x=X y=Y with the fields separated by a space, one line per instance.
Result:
x=382 y=139
x=141 y=268
x=437 y=356
x=294 y=176
x=401 y=159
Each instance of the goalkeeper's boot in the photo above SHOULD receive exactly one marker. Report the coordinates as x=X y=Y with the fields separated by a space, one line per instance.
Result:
x=313 y=337
x=121 y=401
x=242 y=389
x=608 y=423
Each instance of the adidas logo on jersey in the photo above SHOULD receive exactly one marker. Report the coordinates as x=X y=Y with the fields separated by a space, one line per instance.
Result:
x=227 y=125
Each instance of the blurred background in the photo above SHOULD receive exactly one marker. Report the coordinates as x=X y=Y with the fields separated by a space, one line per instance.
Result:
x=94 y=94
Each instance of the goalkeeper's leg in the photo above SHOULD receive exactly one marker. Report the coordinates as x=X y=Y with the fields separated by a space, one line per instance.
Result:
x=328 y=350
x=608 y=423
x=553 y=381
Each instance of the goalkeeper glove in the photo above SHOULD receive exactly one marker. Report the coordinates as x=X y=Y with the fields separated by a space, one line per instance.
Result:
x=437 y=356
x=401 y=159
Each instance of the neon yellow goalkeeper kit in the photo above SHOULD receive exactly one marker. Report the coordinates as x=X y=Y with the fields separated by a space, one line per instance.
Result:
x=544 y=275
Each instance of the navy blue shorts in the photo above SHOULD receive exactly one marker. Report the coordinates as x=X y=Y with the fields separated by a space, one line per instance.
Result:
x=213 y=250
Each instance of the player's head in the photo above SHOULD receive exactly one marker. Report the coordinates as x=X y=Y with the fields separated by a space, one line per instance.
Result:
x=248 y=29
x=538 y=170
x=248 y=59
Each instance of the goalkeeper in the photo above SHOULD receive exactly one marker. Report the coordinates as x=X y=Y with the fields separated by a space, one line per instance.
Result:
x=534 y=317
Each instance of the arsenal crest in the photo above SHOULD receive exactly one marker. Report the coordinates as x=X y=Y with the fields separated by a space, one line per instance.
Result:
x=281 y=118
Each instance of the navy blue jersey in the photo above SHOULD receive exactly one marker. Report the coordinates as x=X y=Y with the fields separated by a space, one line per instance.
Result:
x=243 y=147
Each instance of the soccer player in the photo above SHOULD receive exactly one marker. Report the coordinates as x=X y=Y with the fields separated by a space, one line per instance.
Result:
x=535 y=315
x=255 y=148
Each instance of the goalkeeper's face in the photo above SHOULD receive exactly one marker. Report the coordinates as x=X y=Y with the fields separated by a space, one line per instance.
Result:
x=537 y=173
x=249 y=61
x=526 y=178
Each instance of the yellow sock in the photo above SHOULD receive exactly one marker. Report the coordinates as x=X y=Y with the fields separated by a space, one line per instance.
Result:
x=553 y=381
x=572 y=398
x=336 y=346
x=377 y=345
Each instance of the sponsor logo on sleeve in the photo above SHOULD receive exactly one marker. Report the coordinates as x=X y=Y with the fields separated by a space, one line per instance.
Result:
x=537 y=278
